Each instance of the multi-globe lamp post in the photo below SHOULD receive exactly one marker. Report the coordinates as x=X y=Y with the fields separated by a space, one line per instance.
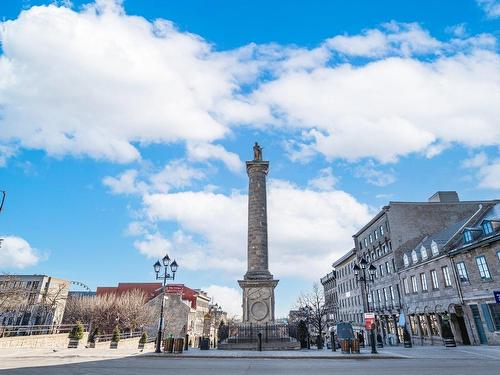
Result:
x=166 y=276
x=365 y=276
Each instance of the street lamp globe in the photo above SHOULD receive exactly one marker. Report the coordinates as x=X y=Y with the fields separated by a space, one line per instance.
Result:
x=166 y=260
x=363 y=263
x=174 y=266
x=356 y=269
x=157 y=266
x=372 y=270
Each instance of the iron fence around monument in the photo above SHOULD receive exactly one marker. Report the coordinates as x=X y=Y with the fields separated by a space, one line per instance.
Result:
x=249 y=332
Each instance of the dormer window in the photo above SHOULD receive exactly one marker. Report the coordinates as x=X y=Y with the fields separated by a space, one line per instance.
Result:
x=406 y=260
x=434 y=248
x=414 y=256
x=423 y=253
x=487 y=227
x=468 y=236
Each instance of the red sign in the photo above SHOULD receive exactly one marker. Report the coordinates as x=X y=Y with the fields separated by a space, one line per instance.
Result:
x=175 y=289
x=369 y=320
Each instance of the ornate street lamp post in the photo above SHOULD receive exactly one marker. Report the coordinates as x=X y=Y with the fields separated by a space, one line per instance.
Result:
x=364 y=278
x=166 y=276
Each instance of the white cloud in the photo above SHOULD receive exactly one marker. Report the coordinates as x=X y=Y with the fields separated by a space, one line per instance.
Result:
x=397 y=38
x=490 y=7
x=124 y=183
x=391 y=107
x=487 y=171
x=459 y=30
x=176 y=174
x=229 y=298
x=98 y=82
x=325 y=181
x=103 y=84
x=207 y=151
x=374 y=176
x=16 y=252
x=305 y=227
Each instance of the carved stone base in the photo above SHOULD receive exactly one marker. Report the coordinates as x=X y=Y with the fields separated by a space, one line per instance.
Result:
x=258 y=300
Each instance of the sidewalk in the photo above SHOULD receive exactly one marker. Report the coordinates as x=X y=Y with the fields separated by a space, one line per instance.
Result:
x=276 y=354
x=417 y=352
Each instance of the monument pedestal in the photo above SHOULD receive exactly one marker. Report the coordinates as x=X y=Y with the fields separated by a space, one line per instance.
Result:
x=258 y=300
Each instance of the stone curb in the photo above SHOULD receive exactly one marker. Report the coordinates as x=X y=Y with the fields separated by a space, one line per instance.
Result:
x=343 y=357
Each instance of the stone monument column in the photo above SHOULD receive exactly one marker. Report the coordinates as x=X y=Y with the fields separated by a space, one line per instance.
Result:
x=258 y=283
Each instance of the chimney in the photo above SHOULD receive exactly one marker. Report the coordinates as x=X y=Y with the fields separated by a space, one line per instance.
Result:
x=444 y=197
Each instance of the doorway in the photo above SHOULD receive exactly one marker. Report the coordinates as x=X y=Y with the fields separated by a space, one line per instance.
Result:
x=479 y=324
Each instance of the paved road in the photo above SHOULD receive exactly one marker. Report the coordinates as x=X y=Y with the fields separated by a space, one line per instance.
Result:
x=216 y=366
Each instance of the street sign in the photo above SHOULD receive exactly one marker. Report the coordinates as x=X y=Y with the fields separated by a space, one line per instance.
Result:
x=369 y=320
x=497 y=296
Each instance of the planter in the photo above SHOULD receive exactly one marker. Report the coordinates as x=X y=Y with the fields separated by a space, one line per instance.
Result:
x=168 y=345
x=73 y=343
x=141 y=345
x=355 y=346
x=91 y=345
x=113 y=345
x=178 y=345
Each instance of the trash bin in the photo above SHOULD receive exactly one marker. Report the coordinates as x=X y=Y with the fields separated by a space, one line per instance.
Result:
x=345 y=346
x=178 y=345
x=204 y=344
x=355 y=346
x=168 y=345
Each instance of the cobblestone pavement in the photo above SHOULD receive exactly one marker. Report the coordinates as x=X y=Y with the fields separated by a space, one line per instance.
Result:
x=482 y=360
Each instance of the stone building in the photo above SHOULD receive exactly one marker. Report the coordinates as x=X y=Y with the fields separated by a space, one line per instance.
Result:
x=331 y=298
x=430 y=290
x=186 y=312
x=350 y=300
x=449 y=279
x=476 y=259
x=400 y=226
x=42 y=299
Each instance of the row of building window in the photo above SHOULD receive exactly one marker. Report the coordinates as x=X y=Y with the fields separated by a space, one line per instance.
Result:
x=382 y=296
x=423 y=281
x=486 y=227
x=423 y=254
x=350 y=301
x=379 y=251
x=377 y=233
x=482 y=265
x=33 y=285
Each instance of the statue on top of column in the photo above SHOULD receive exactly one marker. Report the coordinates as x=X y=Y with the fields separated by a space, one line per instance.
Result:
x=257 y=152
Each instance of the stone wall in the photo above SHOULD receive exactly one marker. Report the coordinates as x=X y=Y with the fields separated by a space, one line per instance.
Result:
x=57 y=341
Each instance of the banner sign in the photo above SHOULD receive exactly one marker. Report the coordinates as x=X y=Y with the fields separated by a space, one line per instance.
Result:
x=369 y=320
x=496 y=293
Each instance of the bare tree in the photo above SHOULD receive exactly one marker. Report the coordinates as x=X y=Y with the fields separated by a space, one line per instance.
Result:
x=311 y=307
x=133 y=311
x=129 y=311
x=12 y=294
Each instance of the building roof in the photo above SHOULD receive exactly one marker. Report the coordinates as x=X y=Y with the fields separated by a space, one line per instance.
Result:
x=344 y=257
x=489 y=213
x=150 y=289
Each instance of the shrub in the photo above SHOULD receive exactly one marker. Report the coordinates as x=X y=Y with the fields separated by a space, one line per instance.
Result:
x=116 y=335
x=77 y=331
x=144 y=338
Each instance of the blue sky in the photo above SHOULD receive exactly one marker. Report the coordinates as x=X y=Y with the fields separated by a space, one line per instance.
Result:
x=124 y=129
